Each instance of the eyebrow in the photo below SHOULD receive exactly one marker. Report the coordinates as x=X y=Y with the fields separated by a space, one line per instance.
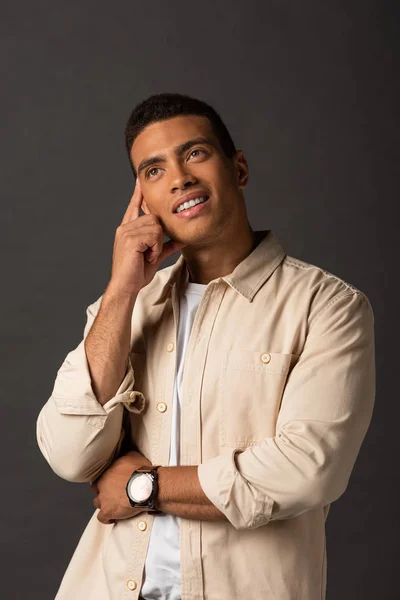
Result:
x=147 y=162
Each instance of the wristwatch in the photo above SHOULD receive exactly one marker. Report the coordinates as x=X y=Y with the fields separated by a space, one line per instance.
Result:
x=142 y=488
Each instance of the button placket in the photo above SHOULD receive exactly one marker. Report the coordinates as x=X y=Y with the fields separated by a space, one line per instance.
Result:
x=142 y=525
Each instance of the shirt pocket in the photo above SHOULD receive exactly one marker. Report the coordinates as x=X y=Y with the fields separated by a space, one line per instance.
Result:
x=251 y=389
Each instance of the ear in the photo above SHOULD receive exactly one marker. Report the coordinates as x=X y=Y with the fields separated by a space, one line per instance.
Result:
x=242 y=169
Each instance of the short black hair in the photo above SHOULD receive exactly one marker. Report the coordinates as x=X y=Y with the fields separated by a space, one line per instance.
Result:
x=160 y=107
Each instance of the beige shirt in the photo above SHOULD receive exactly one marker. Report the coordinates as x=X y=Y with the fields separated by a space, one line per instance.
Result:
x=277 y=396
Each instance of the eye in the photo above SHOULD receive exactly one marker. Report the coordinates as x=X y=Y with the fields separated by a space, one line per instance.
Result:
x=197 y=150
x=149 y=171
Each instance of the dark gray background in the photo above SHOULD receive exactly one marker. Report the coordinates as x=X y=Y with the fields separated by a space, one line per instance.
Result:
x=308 y=91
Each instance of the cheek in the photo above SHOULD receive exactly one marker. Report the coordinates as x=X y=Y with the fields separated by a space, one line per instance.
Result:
x=216 y=175
x=226 y=173
x=227 y=182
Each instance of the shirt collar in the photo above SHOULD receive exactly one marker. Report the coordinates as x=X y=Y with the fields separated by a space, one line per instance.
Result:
x=246 y=278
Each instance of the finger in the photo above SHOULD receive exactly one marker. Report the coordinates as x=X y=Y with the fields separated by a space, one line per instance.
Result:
x=103 y=519
x=133 y=210
x=143 y=204
x=168 y=249
x=145 y=208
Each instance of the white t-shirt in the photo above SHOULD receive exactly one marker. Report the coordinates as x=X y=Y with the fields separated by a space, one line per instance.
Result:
x=162 y=576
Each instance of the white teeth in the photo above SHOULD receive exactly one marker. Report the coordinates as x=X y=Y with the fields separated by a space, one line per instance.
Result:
x=190 y=203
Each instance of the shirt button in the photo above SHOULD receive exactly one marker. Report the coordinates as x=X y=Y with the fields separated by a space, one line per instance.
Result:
x=266 y=357
x=142 y=525
x=131 y=584
x=170 y=346
x=161 y=406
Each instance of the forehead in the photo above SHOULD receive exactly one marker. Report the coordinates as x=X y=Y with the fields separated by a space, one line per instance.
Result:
x=161 y=137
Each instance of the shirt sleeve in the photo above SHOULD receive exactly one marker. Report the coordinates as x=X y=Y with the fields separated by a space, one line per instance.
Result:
x=77 y=435
x=325 y=412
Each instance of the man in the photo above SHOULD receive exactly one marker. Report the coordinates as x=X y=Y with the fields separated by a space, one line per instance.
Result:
x=244 y=376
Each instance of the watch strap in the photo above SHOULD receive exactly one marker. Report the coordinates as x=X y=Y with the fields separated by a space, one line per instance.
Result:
x=147 y=469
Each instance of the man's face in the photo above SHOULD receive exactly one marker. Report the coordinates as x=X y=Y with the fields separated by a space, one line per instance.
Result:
x=202 y=167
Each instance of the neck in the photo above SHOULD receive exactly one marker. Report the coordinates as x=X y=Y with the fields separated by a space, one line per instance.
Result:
x=218 y=259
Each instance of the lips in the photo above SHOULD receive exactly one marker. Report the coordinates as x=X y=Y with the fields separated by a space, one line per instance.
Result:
x=188 y=213
x=191 y=196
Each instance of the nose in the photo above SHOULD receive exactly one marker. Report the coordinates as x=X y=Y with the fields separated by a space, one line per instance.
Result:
x=181 y=178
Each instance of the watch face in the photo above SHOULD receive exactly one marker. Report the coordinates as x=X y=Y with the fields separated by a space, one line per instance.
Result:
x=140 y=487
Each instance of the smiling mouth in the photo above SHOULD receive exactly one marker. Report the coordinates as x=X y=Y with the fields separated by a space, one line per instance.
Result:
x=189 y=207
x=193 y=210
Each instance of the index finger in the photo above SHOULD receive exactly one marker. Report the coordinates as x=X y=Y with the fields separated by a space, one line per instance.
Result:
x=133 y=210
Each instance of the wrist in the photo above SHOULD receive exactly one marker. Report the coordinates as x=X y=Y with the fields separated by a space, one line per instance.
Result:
x=142 y=488
x=114 y=292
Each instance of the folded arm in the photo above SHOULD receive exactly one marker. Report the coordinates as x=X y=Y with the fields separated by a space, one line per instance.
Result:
x=77 y=434
x=325 y=412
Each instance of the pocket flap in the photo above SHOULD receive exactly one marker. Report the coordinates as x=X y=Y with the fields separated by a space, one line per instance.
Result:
x=242 y=359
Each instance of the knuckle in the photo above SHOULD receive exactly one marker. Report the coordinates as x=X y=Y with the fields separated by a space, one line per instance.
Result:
x=154 y=220
x=156 y=229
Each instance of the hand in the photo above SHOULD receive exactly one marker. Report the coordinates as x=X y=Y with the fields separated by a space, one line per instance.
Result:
x=133 y=265
x=110 y=487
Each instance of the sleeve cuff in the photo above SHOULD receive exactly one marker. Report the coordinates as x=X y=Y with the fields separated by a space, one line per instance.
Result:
x=241 y=503
x=73 y=393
